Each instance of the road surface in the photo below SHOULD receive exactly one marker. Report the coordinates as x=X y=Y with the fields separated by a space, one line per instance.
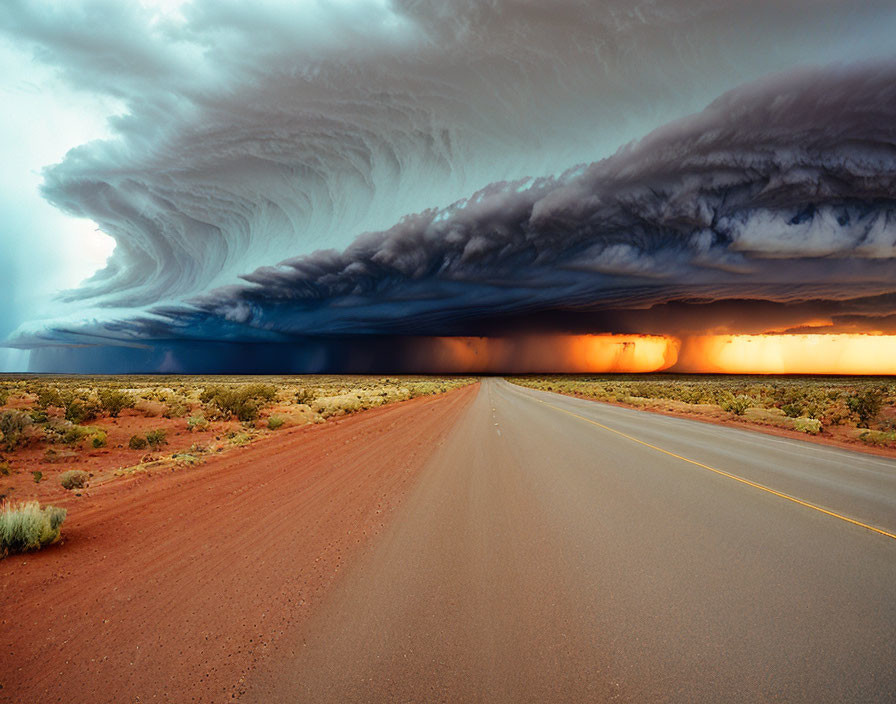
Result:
x=560 y=550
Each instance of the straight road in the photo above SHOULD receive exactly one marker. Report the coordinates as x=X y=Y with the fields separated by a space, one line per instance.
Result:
x=561 y=550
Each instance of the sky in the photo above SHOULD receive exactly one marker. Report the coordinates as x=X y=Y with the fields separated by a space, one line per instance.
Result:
x=502 y=185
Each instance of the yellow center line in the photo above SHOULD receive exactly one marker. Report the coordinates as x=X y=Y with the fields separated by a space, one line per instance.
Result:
x=725 y=474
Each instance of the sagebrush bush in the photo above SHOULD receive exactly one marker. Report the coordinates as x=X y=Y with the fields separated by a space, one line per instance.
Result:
x=14 y=426
x=275 y=422
x=305 y=396
x=73 y=479
x=156 y=438
x=242 y=402
x=807 y=425
x=114 y=401
x=866 y=406
x=137 y=442
x=80 y=410
x=737 y=405
x=27 y=526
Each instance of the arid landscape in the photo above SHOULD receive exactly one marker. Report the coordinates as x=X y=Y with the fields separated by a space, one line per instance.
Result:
x=172 y=577
x=377 y=542
x=105 y=427
x=854 y=412
x=447 y=352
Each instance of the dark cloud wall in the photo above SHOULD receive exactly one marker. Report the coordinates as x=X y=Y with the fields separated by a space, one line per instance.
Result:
x=249 y=133
x=305 y=134
x=771 y=208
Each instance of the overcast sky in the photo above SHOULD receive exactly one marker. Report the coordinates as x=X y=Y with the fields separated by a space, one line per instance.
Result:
x=162 y=159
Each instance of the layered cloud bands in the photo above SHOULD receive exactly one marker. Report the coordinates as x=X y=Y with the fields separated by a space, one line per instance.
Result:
x=773 y=209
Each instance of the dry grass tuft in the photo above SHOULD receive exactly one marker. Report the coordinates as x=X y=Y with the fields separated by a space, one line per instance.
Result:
x=27 y=526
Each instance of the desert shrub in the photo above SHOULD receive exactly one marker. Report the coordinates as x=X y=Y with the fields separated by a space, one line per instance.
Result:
x=73 y=479
x=263 y=392
x=80 y=410
x=792 y=409
x=865 y=405
x=275 y=422
x=4 y=469
x=39 y=415
x=14 y=426
x=197 y=422
x=305 y=396
x=49 y=396
x=4 y=396
x=27 y=526
x=878 y=437
x=137 y=442
x=242 y=402
x=807 y=425
x=737 y=405
x=74 y=434
x=114 y=401
x=156 y=438
x=98 y=439
x=38 y=476
x=176 y=409
x=240 y=438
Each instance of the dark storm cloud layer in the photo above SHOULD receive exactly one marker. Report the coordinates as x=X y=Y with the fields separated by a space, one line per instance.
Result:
x=252 y=132
x=781 y=191
x=770 y=209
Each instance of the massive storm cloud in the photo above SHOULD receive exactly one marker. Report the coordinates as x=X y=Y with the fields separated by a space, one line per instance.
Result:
x=326 y=206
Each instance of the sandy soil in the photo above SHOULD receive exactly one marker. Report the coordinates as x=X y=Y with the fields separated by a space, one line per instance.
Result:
x=104 y=463
x=172 y=586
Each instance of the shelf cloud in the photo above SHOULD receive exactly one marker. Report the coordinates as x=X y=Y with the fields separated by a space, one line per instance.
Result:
x=266 y=163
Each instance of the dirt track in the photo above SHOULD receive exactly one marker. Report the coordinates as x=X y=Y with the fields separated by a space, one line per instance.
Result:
x=172 y=588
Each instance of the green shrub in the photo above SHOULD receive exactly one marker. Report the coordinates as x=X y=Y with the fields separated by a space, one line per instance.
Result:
x=76 y=433
x=4 y=469
x=137 y=442
x=14 y=426
x=305 y=396
x=197 y=422
x=50 y=396
x=80 y=410
x=792 y=409
x=156 y=438
x=275 y=422
x=737 y=405
x=73 y=479
x=114 y=401
x=4 y=396
x=242 y=402
x=807 y=425
x=38 y=476
x=865 y=406
x=878 y=437
x=27 y=526
x=98 y=439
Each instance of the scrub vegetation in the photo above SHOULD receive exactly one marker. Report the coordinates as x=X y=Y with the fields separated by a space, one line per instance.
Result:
x=27 y=526
x=68 y=428
x=860 y=410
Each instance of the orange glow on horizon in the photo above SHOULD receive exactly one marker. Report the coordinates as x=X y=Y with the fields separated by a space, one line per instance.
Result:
x=838 y=353
x=776 y=353
x=547 y=353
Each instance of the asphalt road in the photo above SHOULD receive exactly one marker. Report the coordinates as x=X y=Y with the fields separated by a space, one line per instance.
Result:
x=543 y=558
